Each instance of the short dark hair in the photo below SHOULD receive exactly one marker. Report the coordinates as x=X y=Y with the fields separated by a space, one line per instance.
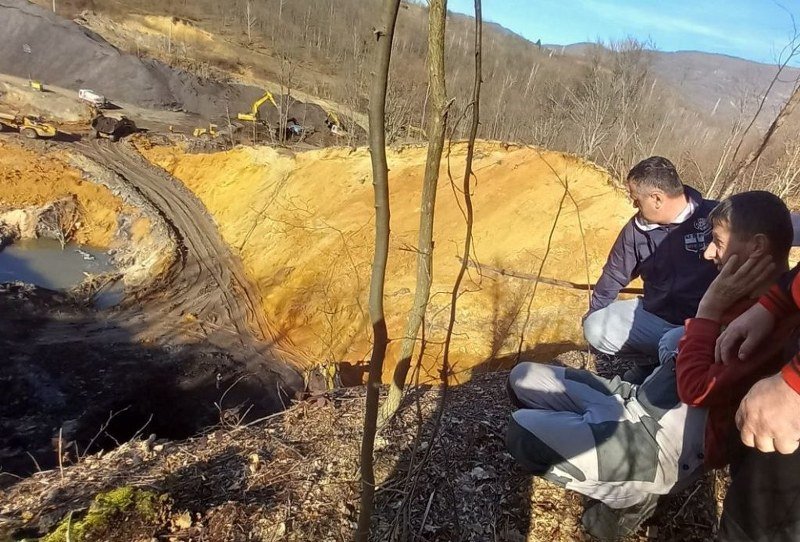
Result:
x=750 y=213
x=657 y=172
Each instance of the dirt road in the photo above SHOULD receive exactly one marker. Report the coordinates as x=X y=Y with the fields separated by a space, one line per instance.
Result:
x=210 y=282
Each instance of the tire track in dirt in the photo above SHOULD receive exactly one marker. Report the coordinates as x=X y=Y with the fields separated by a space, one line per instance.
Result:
x=211 y=282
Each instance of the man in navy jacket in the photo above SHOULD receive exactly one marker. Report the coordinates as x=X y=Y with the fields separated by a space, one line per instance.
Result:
x=663 y=244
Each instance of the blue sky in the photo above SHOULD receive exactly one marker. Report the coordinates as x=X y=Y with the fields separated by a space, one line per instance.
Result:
x=753 y=29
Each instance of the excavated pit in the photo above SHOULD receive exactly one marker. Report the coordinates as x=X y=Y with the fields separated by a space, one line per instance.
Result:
x=175 y=356
x=208 y=326
x=269 y=202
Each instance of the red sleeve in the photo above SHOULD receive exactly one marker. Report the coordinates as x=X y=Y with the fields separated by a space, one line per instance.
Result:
x=783 y=298
x=778 y=302
x=696 y=371
x=791 y=373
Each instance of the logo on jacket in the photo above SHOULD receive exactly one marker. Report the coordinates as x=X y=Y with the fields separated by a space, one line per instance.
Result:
x=702 y=225
x=697 y=242
x=694 y=242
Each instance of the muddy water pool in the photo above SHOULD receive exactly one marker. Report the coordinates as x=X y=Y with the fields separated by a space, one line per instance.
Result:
x=43 y=262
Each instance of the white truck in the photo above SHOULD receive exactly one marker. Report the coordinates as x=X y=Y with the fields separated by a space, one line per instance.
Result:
x=97 y=100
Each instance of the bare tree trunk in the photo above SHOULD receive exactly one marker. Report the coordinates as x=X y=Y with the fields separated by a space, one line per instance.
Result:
x=415 y=470
x=251 y=21
x=384 y=35
x=437 y=122
x=476 y=98
x=230 y=125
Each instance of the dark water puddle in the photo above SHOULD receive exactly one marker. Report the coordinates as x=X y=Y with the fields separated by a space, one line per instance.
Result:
x=43 y=262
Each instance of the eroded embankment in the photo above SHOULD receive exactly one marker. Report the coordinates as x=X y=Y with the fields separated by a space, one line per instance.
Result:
x=181 y=352
x=32 y=179
x=96 y=209
x=303 y=226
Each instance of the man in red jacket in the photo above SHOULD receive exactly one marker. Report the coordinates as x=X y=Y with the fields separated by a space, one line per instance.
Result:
x=740 y=232
x=763 y=500
x=624 y=445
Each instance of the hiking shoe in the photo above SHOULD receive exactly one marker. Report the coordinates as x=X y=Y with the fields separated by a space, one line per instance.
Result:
x=639 y=373
x=610 y=524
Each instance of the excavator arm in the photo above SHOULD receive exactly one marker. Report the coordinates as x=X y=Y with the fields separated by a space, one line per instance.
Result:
x=253 y=115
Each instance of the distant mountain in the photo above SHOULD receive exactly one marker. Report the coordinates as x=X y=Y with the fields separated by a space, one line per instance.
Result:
x=707 y=79
x=713 y=82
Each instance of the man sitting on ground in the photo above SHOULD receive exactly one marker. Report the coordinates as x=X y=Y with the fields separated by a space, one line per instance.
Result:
x=625 y=445
x=763 y=500
x=663 y=244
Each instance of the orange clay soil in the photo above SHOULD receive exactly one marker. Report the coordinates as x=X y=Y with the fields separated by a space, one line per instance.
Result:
x=30 y=178
x=303 y=226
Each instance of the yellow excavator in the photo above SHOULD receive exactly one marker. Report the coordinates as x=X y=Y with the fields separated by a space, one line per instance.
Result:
x=202 y=132
x=333 y=123
x=253 y=115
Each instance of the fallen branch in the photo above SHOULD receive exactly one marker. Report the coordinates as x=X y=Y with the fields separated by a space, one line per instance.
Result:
x=544 y=280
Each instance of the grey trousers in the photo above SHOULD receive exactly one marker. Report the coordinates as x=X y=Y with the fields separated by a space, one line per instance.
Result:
x=624 y=328
x=599 y=437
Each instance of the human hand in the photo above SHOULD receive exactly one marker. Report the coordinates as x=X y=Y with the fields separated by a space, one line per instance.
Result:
x=733 y=283
x=769 y=416
x=743 y=335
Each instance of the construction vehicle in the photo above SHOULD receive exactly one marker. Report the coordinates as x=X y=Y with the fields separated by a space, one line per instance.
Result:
x=28 y=125
x=36 y=85
x=207 y=133
x=112 y=128
x=92 y=97
x=294 y=129
x=253 y=115
x=333 y=124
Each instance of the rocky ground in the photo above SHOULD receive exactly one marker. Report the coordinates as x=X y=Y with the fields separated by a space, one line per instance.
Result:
x=442 y=469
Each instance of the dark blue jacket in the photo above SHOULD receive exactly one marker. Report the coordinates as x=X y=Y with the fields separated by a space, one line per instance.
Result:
x=670 y=261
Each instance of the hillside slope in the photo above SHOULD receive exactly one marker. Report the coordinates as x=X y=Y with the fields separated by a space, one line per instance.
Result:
x=303 y=225
x=293 y=478
x=66 y=54
x=705 y=78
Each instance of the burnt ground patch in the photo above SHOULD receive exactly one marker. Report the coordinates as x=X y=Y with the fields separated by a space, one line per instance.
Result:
x=79 y=376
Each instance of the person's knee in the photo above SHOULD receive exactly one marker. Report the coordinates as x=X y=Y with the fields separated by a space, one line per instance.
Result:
x=520 y=372
x=668 y=344
x=518 y=375
x=594 y=330
x=512 y=394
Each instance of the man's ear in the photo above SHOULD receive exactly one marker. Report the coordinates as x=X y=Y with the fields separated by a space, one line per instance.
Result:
x=760 y=244
x=658 y=198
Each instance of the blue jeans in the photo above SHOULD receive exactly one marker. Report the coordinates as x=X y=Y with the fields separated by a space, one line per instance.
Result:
x=624 y=328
